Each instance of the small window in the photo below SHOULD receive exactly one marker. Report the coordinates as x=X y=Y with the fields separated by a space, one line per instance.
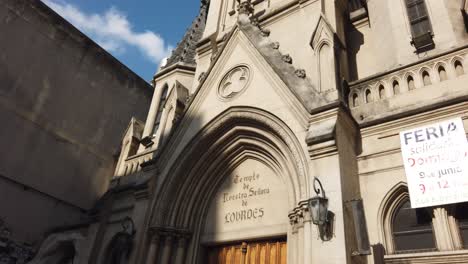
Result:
x=461 y=214
x=459 y=68
x=396 y=87
x=426 y=78
x=368 y=96
x=355 y=100
x=412 y=229
x=381 y=92
x=421 y=29
x=411 y=85
x=442 y=73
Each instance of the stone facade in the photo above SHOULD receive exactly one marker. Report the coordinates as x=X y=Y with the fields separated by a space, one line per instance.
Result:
x=276 y=103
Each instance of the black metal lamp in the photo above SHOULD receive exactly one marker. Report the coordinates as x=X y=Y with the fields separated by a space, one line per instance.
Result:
x=318 y=205
x=321 y=216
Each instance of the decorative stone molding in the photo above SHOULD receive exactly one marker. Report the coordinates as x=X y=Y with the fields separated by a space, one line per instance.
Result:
x=399 y=82
x=275 y=45
x=445 y=257
x=121 y=244
x=201 y=76
x=57 y=246
x=161 y=232
x=323 y=32
x=287 y=58
x=321 y=135
x=299 y=215
x=130 y=144
x=325 y=44
x=234 y=82
x=446 y=230
x=11 y=251
x=265 y=32
x=301 y=73
x=245 y=7
x=170 y=241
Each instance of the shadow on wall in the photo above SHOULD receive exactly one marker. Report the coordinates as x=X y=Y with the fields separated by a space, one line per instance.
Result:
x=355 y=40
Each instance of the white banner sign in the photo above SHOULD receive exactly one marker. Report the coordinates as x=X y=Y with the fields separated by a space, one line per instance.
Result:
x=436 y=163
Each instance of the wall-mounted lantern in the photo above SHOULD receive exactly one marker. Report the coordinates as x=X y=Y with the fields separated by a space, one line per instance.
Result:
x=321 y=216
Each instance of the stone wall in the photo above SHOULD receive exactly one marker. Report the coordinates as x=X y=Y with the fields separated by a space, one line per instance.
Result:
x=64 y=104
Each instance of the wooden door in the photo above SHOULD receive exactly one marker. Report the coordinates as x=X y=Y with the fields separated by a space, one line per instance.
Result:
x=264 y=252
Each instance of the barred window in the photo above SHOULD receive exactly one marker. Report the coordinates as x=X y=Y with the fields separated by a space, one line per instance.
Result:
x=412 y=229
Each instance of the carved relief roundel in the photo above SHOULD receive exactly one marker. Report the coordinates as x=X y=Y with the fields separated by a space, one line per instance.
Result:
x=234 y=82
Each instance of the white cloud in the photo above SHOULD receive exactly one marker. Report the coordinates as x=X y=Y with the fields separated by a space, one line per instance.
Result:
x=112 y=30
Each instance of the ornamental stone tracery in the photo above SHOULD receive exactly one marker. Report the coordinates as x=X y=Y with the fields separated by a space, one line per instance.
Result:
x=234 y=82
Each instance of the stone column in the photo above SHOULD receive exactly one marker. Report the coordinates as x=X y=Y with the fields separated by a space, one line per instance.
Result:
x=333 y=144
x=181 y=249
x=152 y=114
x=307 y=222
x=455 y=230
x=153 y=250
x=444 y=227
x=166 y=251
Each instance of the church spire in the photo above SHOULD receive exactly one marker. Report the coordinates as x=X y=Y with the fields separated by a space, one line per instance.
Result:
x=186 y=49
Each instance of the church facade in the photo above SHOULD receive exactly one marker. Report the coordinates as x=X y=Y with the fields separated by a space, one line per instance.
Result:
x=273 y=137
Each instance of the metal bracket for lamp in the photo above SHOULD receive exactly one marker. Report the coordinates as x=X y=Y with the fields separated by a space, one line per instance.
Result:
x=318 y=208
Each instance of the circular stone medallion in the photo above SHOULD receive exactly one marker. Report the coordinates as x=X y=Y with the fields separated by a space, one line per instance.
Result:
x=234 y=82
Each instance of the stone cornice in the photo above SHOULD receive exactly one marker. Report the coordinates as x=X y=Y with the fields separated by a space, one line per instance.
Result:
x=446 y=257
x=321 y=135
x=178 y=66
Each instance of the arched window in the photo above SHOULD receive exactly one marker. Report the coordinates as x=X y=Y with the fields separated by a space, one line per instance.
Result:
x=426 y=78
x=442 y=73
x=368 y=96
x=459 y=68
x=381 y=92
x=405 y=229
x=396 y=87
x=355 y=100
x=412 y=228
x=411 y=85
x=408 y=230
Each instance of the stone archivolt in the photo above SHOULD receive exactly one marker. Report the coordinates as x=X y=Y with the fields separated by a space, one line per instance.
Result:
x=236 y=135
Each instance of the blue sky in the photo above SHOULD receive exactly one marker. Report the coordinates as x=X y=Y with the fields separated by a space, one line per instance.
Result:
x=137 y=32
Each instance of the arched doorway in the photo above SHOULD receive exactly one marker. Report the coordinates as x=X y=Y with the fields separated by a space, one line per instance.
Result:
x=200 y=196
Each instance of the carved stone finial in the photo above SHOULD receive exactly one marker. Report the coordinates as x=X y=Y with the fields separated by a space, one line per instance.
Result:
x=245 y=7
x=286 y=58
x=265 y=32
x=301 y=73
x=254 y=20
x=201 y=76
x=275 y=45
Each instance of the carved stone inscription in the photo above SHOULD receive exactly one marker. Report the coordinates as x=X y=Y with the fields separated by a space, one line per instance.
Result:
x=251 y=202
x=250 y=190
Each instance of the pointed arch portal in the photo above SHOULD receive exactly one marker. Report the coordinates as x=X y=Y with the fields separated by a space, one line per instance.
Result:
x=241 y=144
